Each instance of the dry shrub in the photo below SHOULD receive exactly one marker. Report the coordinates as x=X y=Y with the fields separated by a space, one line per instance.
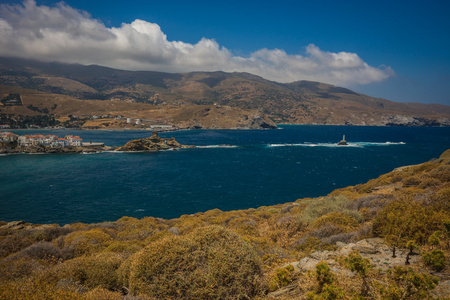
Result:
x=188 y=223
x=341 y=237
x=132 y=229
x=33 y=289
x=440 y=200
x=315 y=208
x=442 y=173
x=18 y=268
x=376 y=201
x=77 y=226
x=326 y=231
x=15 y=242
x=123 y=273
x=85 y=242
x=345 y=222
x=287 y=208
x=429 y=182
x=41 y=250
x=244 y=225
x=157 y=236
x=124 y=247
x=309 y=244
x=291 y=224
x=425 y=167
x=102 y=294
x=95 y=271
x=210 y=263
x=135 y=234
x=411 y=181
x=369 y=206
x=396 y=177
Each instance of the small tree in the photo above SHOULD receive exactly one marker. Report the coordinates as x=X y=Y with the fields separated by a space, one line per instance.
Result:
x=326 y=290
x=324 y=275
x=361 y=266
x=411 y=245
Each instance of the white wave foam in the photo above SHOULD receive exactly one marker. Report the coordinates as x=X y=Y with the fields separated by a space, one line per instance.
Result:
x=330 y=145
x=382 y=144
x=333 y=145
x=217 y=146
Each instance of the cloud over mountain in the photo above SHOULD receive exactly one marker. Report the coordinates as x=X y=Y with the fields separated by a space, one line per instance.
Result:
x=65 y=34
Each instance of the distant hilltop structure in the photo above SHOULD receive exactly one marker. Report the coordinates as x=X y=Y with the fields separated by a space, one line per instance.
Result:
x=343 y=142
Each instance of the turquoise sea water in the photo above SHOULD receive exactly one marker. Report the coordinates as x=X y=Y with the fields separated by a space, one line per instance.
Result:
x=257 y=168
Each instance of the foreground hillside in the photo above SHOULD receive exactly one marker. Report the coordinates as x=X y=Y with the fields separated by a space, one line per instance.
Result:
x=301 y=102
x=338 y=246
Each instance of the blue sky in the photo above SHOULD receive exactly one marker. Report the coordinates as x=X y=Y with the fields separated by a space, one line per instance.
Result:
x=398 y=50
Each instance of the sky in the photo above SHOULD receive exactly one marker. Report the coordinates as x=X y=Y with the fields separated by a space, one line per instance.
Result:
x=397 y=50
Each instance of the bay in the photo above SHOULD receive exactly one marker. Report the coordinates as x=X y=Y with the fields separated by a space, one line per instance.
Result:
x=256 y=168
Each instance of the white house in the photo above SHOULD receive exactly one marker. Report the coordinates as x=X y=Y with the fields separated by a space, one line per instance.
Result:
x=8 y=137
x=49 y=140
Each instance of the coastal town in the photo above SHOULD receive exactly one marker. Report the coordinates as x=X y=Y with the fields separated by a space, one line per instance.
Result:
x=40 y=143
x=39 y=139
x=13 y=143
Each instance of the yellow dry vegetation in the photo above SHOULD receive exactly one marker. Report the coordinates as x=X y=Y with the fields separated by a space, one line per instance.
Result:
x=239 y=254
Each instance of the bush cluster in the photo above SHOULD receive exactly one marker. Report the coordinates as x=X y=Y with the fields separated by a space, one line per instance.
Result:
x=210 y=263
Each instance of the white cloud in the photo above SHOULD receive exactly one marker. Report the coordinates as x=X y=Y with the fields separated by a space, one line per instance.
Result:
x=64 y=34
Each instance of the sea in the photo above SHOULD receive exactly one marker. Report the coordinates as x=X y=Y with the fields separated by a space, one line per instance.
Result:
x=228 y=170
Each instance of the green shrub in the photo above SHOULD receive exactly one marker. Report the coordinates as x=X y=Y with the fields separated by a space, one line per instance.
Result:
x=405 y=283
x=209 y=263
x=329 y=292
x=355 y=263
x=326 y=289
x=324 y=275
x=435 y=259
x=282 y=278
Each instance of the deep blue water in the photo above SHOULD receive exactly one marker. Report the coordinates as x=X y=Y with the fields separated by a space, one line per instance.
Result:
x=262 y=168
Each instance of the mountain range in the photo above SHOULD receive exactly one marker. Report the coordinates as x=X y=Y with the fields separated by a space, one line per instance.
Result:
x=199 y=99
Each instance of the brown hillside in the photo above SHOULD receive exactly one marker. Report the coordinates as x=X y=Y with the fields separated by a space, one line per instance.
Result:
x=301 y=102
x=194 y=116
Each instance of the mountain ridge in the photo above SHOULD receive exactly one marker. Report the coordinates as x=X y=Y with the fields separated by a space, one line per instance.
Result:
x=299 y=102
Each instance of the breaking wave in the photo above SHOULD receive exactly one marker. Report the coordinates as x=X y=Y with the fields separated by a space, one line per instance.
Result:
x=218 y=146
x=334 y=145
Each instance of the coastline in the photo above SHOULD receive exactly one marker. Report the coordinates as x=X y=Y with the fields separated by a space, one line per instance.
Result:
x=153 y=143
